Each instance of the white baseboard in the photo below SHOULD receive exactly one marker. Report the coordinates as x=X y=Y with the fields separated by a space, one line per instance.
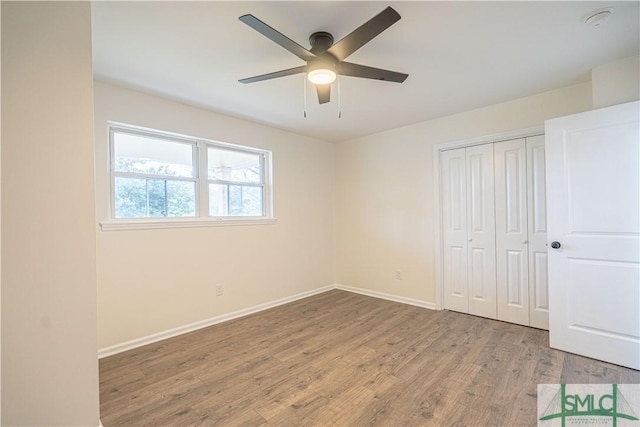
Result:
x=170 y=333
x=139 y=342
x=390 y=297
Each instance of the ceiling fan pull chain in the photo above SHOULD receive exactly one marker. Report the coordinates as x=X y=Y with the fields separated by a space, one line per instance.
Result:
x=304 y=91
x=339 y=100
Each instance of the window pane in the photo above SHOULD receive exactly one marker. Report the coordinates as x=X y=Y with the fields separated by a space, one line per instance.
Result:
x=157 y=197
x=235 y=200
x=229 y=165
x=143 y=154
x=181 y=198
x=131 y=198
x=153 y=198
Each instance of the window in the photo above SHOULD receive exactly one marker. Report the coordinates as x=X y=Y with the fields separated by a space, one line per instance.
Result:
x=156 y=176
x=236 y=184
x=153 y=177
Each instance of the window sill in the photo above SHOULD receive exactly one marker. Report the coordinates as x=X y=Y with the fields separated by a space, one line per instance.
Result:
x=150 y=224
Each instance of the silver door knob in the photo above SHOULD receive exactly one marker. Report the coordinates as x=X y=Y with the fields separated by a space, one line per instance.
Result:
x=525 y=241
x=470 y=239
x=555 y=245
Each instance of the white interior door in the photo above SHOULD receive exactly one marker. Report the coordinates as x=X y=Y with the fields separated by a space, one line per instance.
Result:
x=537 y=233
x=512 y=257
x=593 y=212
x=481 y=234
x=454 y=224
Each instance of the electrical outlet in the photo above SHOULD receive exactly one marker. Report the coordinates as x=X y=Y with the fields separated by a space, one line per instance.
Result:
x=219 y=289
x=398 y=275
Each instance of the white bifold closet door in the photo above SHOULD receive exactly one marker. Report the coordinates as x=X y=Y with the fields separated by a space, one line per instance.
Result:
x=512 y=256
x=521 y=255
x=537 y=226
x=469 y=230
x=494 y=231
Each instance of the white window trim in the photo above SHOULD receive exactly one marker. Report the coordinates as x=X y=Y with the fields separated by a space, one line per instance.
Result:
x=153 y=224
x=202 y=218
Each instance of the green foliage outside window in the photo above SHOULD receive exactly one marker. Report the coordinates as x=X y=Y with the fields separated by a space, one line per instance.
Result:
x=147 y=197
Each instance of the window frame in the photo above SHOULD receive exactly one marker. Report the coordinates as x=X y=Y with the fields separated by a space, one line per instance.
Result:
x=200 y=179
x=263 y=178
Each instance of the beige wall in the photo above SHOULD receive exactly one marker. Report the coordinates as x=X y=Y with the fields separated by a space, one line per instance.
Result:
x=49 y=343
x=385 y=207
x=150 y=281
x=0 y=222
x=616 y=83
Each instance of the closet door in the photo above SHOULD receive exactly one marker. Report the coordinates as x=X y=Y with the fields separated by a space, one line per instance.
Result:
x=512 y=257
x=481 y=231
x=536 y=199
x=454 y=224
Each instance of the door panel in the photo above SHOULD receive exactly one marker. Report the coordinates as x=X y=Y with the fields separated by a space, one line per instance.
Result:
x=514 y=171
x=538 y=290
x=477 y=192
x=586 y=304
x=536 y=185
x=458 y=256
x=481 y=230
x=477 y=281
x=515 y=280
x=537 y=233
x=588 y=180
x=454 y=224
x=511 y=231
x=593 y=178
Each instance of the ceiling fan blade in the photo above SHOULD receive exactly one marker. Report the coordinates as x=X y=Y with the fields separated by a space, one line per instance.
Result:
x=276 y=74
x=356 y=70
x=363 y=34
x=277 y=37
x=324 y=93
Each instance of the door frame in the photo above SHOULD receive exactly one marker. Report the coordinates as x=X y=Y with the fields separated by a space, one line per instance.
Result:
x=437 y=200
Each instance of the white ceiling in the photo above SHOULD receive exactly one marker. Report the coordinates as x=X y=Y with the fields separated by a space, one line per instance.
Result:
x=459 y=56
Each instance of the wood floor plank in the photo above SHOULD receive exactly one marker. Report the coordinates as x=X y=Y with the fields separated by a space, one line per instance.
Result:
x=144 y=406
x=343 y=359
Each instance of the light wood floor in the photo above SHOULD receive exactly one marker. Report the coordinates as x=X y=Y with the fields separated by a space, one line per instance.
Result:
x=342 y=359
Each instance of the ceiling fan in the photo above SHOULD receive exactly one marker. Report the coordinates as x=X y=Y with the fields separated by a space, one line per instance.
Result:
x=325 y=60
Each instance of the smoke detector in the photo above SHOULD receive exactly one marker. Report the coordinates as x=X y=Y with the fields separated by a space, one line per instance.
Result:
x=599 y=17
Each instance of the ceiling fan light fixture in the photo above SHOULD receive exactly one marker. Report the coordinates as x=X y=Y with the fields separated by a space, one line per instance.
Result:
x=321 y=76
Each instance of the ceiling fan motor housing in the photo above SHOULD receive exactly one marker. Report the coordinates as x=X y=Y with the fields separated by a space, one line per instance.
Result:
x=320 y=41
